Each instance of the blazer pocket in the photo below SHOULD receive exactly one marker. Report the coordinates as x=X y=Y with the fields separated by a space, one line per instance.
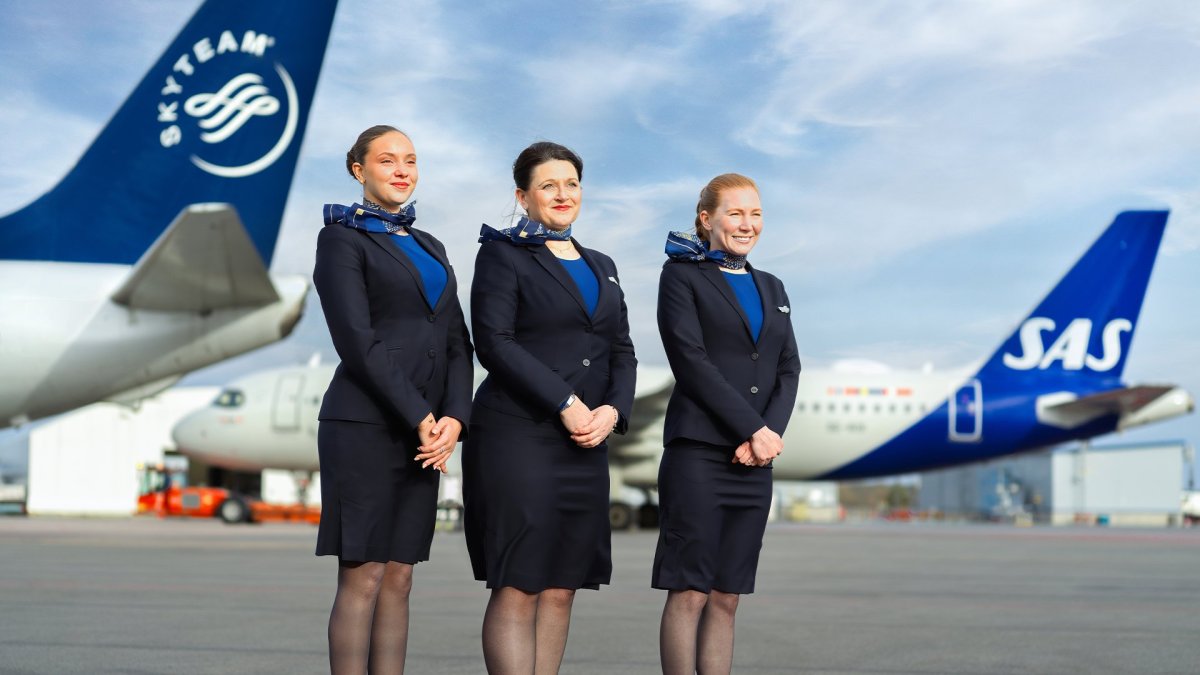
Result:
x=416 y=366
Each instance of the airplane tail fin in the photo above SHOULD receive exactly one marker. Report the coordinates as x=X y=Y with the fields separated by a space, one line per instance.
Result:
x=1081 y=331
x=219 y=118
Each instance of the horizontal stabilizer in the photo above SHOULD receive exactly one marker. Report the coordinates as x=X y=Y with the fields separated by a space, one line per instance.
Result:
x=1132 y=404
x=132 y=397
x=203 y=262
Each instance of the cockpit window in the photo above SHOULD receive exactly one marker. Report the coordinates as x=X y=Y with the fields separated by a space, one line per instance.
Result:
x=230 y=398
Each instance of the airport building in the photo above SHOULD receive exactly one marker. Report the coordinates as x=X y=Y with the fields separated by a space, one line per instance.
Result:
x=94 y=461
x=1135 y=485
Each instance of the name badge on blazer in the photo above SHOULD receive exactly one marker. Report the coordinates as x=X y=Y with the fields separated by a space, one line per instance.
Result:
x=785 y=309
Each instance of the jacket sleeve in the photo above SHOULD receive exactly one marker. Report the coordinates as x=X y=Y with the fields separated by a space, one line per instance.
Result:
x=787 y=379
x=342 y=288
x=495 y=297
x=622 y=368
x=695 y=373
x=460 y=370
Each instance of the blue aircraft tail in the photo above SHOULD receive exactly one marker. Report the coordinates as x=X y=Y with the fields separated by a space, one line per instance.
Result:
x=219 y=118
x=1079 y=335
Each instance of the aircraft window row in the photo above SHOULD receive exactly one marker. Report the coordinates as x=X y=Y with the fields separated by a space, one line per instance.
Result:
x=230 y=398
x=861 y=408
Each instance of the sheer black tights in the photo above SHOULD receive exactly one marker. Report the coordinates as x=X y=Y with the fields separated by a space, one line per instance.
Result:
x=696 y=635
x=526 y=632
x=368 y=626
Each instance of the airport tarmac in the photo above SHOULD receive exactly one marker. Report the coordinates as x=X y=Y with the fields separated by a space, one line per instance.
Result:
x=177 y=596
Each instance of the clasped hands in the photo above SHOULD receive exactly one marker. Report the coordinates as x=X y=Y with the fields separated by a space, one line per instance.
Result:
x=764 y=446
x=589 y=427
x=437 y=438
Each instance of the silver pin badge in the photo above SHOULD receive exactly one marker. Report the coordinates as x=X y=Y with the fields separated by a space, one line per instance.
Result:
x=785 y=309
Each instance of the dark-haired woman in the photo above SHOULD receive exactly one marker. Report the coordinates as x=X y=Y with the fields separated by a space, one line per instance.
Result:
x=727 y=330
x=396 y=405
x=550 y=327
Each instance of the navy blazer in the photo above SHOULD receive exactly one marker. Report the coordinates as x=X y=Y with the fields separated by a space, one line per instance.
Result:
x=536 y=340
x=727 y=386
x=401 y=358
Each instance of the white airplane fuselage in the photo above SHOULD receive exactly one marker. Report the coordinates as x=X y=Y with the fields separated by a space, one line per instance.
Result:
x=269 y=420
x=65 y=343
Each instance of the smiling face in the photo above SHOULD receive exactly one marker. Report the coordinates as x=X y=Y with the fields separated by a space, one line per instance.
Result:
x=388 y=172
x=554 y=194
x=734 y=225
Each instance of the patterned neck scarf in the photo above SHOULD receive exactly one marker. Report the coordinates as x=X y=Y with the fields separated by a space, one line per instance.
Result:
x=688 y=246
x=370 y=218
x=525 y=233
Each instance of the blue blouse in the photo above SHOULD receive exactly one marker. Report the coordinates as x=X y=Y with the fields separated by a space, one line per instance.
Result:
x=747 y=294
x=585 y=280
x=433 y=275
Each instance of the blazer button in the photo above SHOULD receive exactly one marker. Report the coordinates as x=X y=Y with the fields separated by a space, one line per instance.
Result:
x=587 y=329
x=754 y=356
x=432 y=318
x=431 y=353
x=753 y=390
x=587 y=362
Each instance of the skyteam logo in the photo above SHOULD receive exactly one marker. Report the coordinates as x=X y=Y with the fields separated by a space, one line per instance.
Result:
x=228 y=109
x=221 y=112
x=1071 y=347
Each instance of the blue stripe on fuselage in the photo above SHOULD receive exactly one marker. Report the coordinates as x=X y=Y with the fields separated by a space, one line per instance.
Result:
x=1010 y=426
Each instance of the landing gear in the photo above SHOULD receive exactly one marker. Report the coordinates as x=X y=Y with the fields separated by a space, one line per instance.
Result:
x=620 y=516
x=648 y=516
x=623 y=515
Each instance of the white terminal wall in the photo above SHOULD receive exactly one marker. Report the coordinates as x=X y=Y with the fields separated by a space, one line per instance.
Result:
x=1106 y=480
x=1120 y=479
x=86 y=462
x=281 y=487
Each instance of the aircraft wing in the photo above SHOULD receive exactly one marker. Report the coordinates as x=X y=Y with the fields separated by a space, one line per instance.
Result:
x=643 y=439
x=202 y=262
x=1134 y=405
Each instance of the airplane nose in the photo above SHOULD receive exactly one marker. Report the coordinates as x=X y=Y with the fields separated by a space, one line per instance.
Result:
x=189 y=434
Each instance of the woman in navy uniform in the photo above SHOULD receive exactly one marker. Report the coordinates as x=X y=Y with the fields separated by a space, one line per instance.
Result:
x=396 y=405
x=550 y=327
x=727 y=330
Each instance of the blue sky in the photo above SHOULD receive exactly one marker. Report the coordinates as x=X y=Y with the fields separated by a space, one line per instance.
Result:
x=928 y=169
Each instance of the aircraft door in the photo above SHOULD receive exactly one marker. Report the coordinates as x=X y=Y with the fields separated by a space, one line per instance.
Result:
x=285 y=411
x=966 y=413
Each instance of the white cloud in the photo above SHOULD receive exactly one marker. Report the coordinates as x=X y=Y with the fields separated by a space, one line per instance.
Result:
x=583 y=85
x=1183 y=227
x=49 y=144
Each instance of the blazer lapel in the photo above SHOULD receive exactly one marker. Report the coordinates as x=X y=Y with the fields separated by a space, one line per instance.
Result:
x=547 y=260
x=606 y=284
x=394 y=251
x=424 y=239
x=716 y=277
x=770 y=303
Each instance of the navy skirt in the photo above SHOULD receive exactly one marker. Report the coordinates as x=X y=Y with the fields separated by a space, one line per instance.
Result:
x=712 y=515
x=536 y=505
x=377 y=504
